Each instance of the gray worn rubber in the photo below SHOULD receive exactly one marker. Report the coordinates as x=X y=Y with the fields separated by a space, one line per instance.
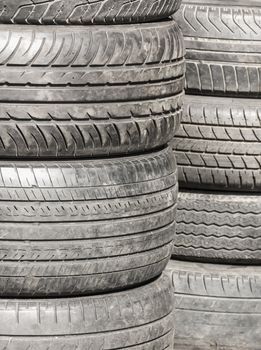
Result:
x=218 y=144
x=139 y=318
x=73 y=228
x=89 y=91
x=85 y=11
x=217 y=306
x=218 y=227
x=223 y=41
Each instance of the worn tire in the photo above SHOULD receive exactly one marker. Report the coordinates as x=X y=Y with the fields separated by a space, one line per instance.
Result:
x=217 y=306
x=89 y=91
x=73 y=228
x=218 y=144
x=85 y=11
x=223 y=41
x=140 y=319
x=218 y=227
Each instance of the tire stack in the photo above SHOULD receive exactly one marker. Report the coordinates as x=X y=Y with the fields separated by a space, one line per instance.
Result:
x=90 y=95
x=217 y=252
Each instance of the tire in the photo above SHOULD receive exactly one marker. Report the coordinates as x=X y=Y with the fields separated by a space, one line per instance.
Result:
x=85 y=11
x=217 y=306
x=87 y=130
x=91 y=64
x=139 y=318
x=223 y=41
x=74 y=228
x=218 y=144
x=218 y=227
x=122 y=86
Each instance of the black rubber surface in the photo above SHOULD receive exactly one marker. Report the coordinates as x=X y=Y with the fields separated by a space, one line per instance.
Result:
x=85 y=11
x=218 y=144
x=72 y=228
x=140 y=318
x=89 y=91
x=217 y=306
x=223 y=41
x=218 y=227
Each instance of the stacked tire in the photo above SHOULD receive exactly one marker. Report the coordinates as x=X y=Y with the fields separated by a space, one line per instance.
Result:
x=217 y=251
x=90 y=96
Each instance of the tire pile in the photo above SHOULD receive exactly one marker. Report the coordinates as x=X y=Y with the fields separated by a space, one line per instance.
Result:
x=217 y=252
x=90 y=95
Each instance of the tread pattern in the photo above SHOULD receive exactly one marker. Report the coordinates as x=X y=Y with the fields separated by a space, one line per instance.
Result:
x=217 y=227
x=72 y=130
x=222 y=298
x=223 y=48
x=218 y=144
x=122 y=86
x=140 y=318
x=94 y=64
x=85 y=11
x=73 y=228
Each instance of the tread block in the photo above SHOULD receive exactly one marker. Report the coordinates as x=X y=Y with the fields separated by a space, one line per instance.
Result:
x=222 y=299
x=85 y=227
x=218 y=144
x=85 y=11
x=218 y=227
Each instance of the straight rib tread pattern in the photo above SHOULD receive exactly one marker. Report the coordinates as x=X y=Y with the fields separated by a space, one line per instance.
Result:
x=140 y=318
x=223 y=48
x=94 y=64
x=222 y=298
x=73 y=228
x=218 y=144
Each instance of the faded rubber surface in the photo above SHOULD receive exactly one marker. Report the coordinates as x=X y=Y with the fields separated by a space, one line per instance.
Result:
x=84 y=227
x=85 y=11
x=218 y=144
x=140 y=318
x=71 y=92
x=223 y=41
x=217 y=306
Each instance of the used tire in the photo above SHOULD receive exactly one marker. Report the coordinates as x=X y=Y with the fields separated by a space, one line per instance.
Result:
x=218 y=227
x=217 y=306
x=139 y=318
x=223 y=41
x=218 y=144
x=85 y=11
x=73 y=228
x=122 y=86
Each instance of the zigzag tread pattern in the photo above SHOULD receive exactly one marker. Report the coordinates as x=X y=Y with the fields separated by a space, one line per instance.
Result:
x=85 y=11
x=226 y=230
